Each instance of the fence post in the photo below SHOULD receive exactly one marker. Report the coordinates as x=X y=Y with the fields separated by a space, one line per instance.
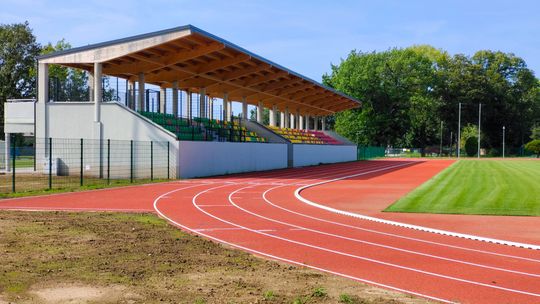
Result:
x=131 y=162
x=151 y=160
x=108 y=161
x=13 y=149
x=50 y=163
x=168 y=161
x=82 y=164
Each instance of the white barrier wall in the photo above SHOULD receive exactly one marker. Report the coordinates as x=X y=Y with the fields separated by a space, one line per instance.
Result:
x=199 y=159
x=308 y=155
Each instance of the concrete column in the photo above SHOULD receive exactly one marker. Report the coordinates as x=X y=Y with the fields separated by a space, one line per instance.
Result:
x=210 y=107
x=260 y=112
x=7 y=151
x=142 y=93
x=272 y=114
x=131 y=94
x=244 y=108
x=163 y=100
x=90 y=87
x=97 y=91
x=301 y=122
x=189 y=104
x=315 y=122
x=282 y=120
x=202 y=102
x=226 y=116
x=323 y=123
x=175 y=98
x=43 y=82
x=287 y=118
x=229 y=114
x=291 y=121
x=307 y=122
x=297 y=123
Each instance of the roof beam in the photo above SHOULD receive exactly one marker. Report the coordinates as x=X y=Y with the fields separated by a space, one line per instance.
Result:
x=153 y=63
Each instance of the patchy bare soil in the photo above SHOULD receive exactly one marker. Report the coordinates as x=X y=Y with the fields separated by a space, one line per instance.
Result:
x=69 y=258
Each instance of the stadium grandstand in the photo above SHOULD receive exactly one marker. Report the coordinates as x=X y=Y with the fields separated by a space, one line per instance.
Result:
x=180 y=87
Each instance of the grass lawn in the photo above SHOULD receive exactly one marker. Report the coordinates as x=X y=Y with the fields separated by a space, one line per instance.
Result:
x=97 y=257
x=491 y=187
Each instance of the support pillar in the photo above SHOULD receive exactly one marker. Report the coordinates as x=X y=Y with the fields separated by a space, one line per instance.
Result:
x=282 y=119
x=90 y=87
x=287 y=118
x=202 y=102
x=97 y=91
x=323 y=123
x=272 y=114
x=301 y=122
x=189 y=104
x=7 y=152
x=43 y=98
x=175 y=98
x=260 y=112
x=308 y=127
x=210 y=108
x=141 y=93
x=244 y=108
x=292 y=121
x=131 y=94
x=316 y=123
x=226 y=115
x=297 y=124
x=163 y=100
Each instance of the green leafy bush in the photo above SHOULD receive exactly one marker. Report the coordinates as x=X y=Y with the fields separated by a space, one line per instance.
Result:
x=534 y=147
x=471 y=146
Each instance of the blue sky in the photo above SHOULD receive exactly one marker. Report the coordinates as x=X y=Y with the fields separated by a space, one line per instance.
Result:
x=305 y=36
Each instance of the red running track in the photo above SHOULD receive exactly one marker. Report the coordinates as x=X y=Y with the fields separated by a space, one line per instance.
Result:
x=259 y=213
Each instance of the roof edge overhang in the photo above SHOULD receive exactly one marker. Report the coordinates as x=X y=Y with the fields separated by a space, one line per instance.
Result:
x=188 y=29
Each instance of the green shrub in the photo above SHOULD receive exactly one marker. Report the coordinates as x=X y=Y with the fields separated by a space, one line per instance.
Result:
x=534 y=147
x=471 y=146
x=319 y=292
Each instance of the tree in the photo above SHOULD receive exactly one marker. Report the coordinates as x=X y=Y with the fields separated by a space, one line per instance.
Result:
x=67 y=84
x=18 y=52
x=266 y=115
x=535 y=132
x=471 y=146
x=534 y=147
x=395 y=88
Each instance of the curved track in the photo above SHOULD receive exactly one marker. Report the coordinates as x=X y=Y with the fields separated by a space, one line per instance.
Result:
x=259 y=213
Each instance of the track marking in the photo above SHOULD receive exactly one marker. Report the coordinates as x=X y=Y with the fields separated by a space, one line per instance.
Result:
x=377 y=244
x=359 y=257
x=399 y=224
x=289 y=260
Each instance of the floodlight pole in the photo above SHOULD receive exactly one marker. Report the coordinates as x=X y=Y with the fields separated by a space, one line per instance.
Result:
x=504 y=130
x=440 y=147
x=479 y=120
x=459 y=132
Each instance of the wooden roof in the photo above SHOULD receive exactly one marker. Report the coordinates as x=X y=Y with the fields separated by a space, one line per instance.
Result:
x=198 y=59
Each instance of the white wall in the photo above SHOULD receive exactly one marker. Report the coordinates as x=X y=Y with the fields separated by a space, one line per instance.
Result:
x=307 y=155
x=19 y=117
x=215 y=158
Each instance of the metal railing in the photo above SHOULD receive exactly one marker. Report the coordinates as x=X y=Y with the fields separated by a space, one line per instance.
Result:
x=81 y=163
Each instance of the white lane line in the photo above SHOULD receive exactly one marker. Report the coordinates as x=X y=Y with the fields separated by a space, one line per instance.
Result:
x=395 y=235
x=378 y=244
x=299 y=263
x=359 y=257
x=399 y=224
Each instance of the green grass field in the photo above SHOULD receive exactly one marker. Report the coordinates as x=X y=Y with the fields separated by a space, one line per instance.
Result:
x=492 y=187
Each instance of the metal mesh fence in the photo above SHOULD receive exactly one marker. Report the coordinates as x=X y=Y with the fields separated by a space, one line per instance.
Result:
x=74 y=163
x=369 y=152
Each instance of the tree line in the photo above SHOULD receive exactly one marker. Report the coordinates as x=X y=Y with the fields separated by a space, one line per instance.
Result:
x=409 y=95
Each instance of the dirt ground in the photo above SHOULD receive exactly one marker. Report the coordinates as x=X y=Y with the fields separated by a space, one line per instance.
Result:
x=61 y=257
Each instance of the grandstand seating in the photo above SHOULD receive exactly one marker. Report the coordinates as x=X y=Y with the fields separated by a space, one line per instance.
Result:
x=305 y=136
x=203 y=129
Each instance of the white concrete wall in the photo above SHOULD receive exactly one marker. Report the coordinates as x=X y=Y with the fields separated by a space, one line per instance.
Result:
x=199 y=159
x=76 y=120
x=307 y=155
x=3 y=155
x=19 y=117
